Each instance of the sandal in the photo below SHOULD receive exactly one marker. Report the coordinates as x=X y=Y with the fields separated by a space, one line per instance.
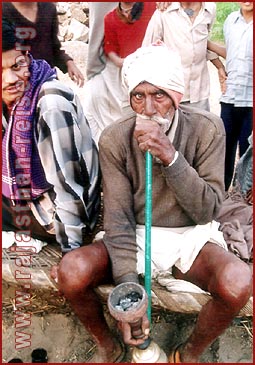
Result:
x=175 y=357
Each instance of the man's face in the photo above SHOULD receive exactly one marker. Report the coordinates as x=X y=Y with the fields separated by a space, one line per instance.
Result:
x=150 y=101
x=246 y=6
x=15 y=76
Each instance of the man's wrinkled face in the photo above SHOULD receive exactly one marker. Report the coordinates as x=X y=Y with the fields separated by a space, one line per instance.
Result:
x=152 y=103
x=15 y=75
x=149 y=100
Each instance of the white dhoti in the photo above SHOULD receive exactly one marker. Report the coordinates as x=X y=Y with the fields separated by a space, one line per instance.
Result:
x=176 y=246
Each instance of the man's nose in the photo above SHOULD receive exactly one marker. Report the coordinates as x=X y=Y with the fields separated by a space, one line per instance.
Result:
x=149 y=107
x=9 y=76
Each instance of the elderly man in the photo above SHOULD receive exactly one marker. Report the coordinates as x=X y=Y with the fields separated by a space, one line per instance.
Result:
x=188 y=162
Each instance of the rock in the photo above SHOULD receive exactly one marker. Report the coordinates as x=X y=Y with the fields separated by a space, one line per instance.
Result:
x=78 y=14
x=63 y=8
x=77 y=31
x=73 y=21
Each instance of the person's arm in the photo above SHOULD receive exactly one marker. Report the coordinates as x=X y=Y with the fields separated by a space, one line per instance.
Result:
x=196 y=176
x=74 y=73
x=61 y=59
x=217 y=48
x=118 y=61
x=221 y=73
x=119 y=219
x=111 y=44
x=70 y=161
x=60 y=56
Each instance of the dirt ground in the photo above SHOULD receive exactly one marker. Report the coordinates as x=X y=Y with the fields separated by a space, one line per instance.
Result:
x=55 y=328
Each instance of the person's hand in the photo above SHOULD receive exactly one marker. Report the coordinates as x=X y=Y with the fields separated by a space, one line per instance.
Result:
x=74 y=73
x=126 y=331
x=162 y=6
x=222 y=79
x=151 y=137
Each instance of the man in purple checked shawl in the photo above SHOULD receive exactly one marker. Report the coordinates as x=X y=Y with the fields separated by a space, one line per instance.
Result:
x=50 y=169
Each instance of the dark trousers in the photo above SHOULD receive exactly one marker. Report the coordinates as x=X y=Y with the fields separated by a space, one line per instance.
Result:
x=238 y=126
x=16 y=219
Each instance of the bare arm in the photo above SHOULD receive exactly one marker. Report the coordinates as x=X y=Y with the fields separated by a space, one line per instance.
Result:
x=221 y=73
x=74 y=73
x=118 y=61
x=217 y=48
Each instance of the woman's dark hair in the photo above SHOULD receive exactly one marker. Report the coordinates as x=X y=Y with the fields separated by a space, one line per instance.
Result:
x=136 y=11
x=9 y=38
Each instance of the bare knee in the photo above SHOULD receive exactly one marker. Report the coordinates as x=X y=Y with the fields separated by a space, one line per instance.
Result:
x=84 y=267
x=233 y=284
x=73 y=273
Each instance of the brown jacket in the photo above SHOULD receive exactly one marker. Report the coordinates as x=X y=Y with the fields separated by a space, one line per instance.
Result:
x=187 y=193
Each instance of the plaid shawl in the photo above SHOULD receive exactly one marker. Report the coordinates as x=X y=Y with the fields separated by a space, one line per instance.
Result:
x=23 y=176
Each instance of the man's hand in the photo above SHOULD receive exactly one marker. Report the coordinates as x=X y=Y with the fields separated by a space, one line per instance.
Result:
x=162 y=6
x=150 y=137
x=74 y=73
x=126 y=330
x=222 y=79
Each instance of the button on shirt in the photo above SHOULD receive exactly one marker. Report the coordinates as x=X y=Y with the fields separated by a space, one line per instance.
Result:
x=239 y=61
x=175 y=28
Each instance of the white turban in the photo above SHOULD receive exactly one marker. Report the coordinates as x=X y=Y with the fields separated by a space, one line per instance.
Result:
x=157 y=65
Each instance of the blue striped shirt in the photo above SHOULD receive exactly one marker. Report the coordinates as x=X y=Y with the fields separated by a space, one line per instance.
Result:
x=239 y=61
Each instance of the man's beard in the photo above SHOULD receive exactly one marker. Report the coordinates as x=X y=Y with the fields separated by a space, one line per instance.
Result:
x=164 y=123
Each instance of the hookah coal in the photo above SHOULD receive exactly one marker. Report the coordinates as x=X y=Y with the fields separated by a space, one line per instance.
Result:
x=128 y=303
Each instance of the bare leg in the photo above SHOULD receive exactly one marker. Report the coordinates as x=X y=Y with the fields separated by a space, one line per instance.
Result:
x=229 y=280
x=79 y=272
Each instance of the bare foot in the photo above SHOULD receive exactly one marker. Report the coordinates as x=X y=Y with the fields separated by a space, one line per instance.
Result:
x=103 y=355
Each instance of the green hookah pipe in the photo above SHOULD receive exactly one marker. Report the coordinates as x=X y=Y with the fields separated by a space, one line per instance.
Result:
x=148 y=222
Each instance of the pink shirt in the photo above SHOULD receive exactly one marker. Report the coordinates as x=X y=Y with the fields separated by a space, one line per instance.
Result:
x=176 y=30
